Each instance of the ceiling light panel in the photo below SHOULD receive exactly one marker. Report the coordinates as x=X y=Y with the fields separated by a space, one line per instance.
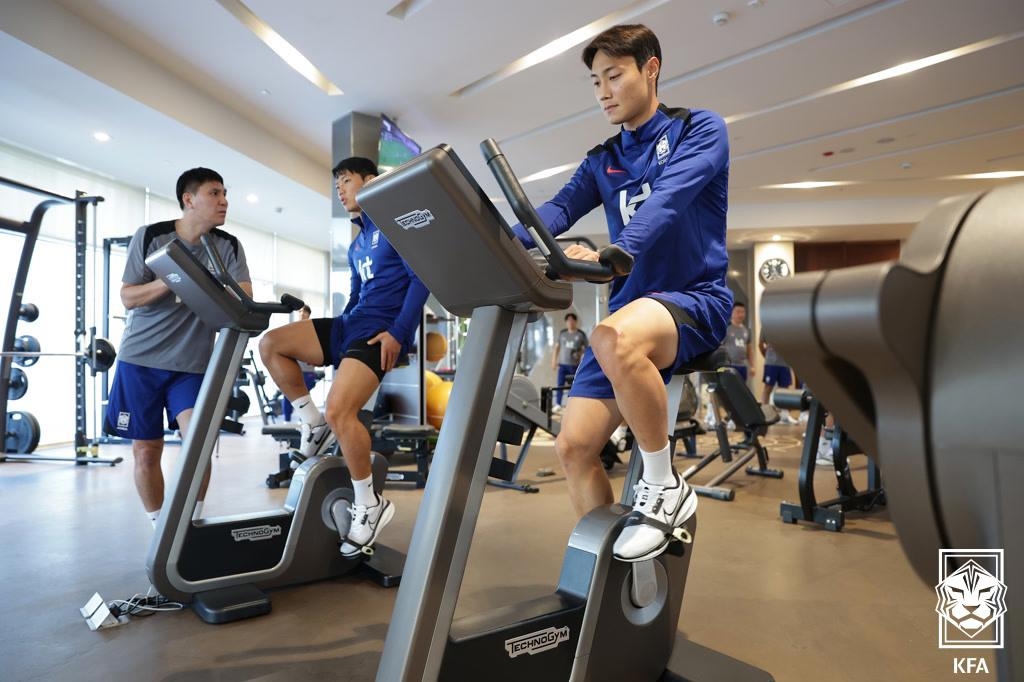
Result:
x=560 y=45
x=285 y=50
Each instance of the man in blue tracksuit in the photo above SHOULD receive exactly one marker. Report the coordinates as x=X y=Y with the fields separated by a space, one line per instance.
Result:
x=363 y=343
x=663 y=183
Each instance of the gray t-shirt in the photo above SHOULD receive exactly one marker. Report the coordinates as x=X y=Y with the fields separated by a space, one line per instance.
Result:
x=571 y=346
x=771 y=356
x=165 y=334
x=735 y=344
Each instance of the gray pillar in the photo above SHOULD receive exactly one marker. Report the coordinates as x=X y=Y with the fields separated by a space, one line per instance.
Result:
x=354 y=134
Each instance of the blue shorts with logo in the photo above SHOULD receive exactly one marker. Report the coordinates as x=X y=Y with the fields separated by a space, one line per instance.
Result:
x=591 y=382
x=777 y=375
x=140 y=396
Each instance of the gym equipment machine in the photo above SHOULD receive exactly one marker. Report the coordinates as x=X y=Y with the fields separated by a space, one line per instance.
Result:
x=220 y=565
x=602 y=607
x=905 y=353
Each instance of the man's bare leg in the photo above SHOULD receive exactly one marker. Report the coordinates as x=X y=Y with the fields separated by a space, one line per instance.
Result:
x=631 y=346
x=280 y=350
x=353 y=385
x=587 y=424
x=149 y=479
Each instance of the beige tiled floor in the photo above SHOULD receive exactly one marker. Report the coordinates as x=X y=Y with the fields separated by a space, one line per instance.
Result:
x=802 y=603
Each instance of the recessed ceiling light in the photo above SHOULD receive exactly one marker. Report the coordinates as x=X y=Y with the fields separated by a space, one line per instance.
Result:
x=252 y=198
x=101 y=136
x=807 y=185
x=776 y=237
x=264 y=91
x=995 y=175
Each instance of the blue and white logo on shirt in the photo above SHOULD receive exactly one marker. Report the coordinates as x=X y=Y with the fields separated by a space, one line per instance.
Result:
x=662 y=150
x=365 y=268
x=375 y=239
x=628 y=208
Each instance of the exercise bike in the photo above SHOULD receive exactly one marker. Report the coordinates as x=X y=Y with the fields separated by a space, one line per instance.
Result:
x=221 y=565
x=607 y=620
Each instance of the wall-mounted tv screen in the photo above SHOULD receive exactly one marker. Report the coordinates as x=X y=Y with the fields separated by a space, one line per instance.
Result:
x=395 y=146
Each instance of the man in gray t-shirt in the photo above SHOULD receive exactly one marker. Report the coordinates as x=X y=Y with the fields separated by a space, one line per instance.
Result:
x=569 y=349
x=737 y=343
x=165 y=348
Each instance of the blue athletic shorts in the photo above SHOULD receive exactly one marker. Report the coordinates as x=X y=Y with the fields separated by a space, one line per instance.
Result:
x=139 y=397
x=741 y=370
x=694 y=340
x=777 y=375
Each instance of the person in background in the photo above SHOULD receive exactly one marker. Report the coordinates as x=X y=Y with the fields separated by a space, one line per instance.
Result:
x=569 y=349
x=737 y=343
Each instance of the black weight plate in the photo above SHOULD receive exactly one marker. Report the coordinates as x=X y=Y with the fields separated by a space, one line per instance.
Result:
x=19 y=384
x=22 y=433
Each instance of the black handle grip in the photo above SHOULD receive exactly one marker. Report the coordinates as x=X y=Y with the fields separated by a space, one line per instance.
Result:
x=615 y=264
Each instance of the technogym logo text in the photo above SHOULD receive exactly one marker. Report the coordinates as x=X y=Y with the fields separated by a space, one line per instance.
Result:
x=254 y=533
x=971 y=603
x=536 y=642
x=415 y=219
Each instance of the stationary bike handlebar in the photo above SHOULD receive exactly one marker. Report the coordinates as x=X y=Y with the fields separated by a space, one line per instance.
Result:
x=613 y=261
x=287 y=304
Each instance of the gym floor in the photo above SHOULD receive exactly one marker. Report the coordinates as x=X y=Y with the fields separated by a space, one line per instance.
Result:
x=800 y=602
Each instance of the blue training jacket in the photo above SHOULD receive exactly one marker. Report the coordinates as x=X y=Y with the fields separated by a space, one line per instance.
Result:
x=664 y=188
x=385 y=294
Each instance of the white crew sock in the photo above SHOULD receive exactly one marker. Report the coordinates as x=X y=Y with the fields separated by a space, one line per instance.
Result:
x=198 y=513
x=364 y=492
x=658 y=467
x=153 y=516
x=307 y=410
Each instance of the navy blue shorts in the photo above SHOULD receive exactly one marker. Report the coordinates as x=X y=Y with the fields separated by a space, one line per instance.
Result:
x=694 y=340
x=139 y=397
x=741 y=370
x=777 y=375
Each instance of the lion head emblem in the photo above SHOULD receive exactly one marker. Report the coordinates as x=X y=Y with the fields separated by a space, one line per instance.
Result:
x=971 y=598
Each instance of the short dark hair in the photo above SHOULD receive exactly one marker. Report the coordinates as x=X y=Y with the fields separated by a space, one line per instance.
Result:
x=193 y=179
x=625 y=40
x=572 y=315
x=739 y=304
x=359 y=165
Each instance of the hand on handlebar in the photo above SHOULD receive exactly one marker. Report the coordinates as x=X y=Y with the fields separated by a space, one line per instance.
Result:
x=579 y=252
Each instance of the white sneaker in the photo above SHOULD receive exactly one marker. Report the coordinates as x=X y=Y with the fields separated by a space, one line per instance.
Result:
x=669 y=506
x=556 y=409
x=367 y=523
x=316 y=439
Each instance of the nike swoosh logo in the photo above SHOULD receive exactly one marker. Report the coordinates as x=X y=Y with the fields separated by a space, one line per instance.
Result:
x=611 y=171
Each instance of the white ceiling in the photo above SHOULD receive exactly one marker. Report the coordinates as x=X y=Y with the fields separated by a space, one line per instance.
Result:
x=179 y=84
